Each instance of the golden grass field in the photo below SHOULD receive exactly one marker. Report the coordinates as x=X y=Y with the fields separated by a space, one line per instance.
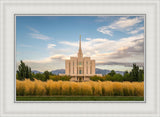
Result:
x=67 y=88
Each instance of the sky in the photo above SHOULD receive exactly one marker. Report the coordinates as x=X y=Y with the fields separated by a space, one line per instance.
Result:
x=45 y=42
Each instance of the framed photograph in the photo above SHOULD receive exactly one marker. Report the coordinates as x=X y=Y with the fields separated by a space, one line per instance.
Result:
x=81 y=58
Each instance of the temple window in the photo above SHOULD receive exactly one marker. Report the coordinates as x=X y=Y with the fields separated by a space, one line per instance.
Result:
x=80 y=71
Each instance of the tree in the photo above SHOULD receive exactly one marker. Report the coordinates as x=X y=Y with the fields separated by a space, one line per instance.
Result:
x=50 y=73
x=23 y=71
x=46 y=74
x=39 y=76
x=117 y=77
x=30 y=74
x=65 y=78
x=95 y=78
x=57 y=77
x=108 y=77
x=141 y=75
x=112 y=73
x=126 y=76
x=134 y=73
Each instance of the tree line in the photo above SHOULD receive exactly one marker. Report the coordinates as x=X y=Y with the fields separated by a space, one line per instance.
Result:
x=135 y=74
x=24 y=71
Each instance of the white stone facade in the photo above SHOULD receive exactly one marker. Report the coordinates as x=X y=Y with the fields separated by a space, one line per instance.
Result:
x=80 y=68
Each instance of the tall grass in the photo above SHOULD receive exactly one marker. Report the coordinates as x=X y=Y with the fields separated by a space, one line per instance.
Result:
x=91 y=88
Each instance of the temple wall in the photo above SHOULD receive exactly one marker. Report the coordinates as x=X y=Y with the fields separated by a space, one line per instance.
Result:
x=67 y=67
x=80 y=67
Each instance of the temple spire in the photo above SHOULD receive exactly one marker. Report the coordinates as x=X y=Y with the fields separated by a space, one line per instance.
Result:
x=80 y=42
x=80 y=54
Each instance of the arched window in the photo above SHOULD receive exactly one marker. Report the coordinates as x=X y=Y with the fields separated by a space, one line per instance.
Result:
x=80 y=71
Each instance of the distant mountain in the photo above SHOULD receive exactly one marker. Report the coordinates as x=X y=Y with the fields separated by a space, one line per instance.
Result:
x=105 y=71
x=120 y=72
x=35 y=71
x=98 y=71
x=58 y=71
x=102 y=71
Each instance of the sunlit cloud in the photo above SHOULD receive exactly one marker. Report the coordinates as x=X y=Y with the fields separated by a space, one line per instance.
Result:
x=123 y=47
x=69 y=43
x=39 y=36
x=137 y=30
x=51 y=46
x=105 y=30
x=130 y=49
x=123 y=24
x=124 y=51
x=49 y=63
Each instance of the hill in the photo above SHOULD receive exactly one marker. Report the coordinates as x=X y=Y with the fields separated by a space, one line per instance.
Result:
x=98 y=71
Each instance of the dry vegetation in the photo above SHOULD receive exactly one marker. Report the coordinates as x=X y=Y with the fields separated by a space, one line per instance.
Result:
x=67 y=88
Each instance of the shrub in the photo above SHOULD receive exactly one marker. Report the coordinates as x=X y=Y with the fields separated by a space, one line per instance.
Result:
x=91 y=88
x=57 y=78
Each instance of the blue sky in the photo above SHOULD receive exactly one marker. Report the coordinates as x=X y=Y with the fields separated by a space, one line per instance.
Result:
x=115 y=42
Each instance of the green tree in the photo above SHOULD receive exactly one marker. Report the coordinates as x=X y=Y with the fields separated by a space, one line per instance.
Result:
x=39 y=76
x=23 y=71
x=102 y=78
x=107 y=77
x=57 y=77
x=112 y=73
x=46 y=74
x=65 y=78
x=50 y=73
x=134 y=73
x=117 y=77
x=126 y=76
x=141 y=75
x=95 y=78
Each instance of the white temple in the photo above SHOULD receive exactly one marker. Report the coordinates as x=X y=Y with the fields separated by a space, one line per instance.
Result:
x=80 y=68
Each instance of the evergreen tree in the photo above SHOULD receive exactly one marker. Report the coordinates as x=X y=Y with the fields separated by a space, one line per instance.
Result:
x=27 y=72
x=136 y=74
x=140 y=75
x=126 y=76
x=112 y=73
x=46 y=74
x=117 y=77
x=23 y=71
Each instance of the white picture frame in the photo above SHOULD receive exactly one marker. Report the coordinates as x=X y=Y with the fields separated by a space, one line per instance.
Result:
x=151 y=9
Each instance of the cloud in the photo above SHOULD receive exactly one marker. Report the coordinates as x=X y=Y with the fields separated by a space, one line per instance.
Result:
x=69 y=43
x=37 y=35
x=123 y=24
x=137 y=30
x=122 y=52
x=88 y=39
x=105 y=30
x=126 y=64
x=48 y=59
x=49 y=63
x=51 y=46
x=130 y=49
x=58 y=56
x=32 y=29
